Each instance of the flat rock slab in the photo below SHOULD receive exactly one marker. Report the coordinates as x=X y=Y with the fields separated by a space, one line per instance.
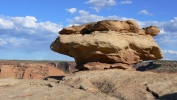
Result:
x=46 y=90
x=126 y=85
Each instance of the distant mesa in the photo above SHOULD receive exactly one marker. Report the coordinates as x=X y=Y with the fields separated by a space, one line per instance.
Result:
x=28 y=70
x=108 y=44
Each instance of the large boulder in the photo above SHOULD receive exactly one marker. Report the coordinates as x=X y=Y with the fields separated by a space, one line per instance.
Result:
x=108 y=44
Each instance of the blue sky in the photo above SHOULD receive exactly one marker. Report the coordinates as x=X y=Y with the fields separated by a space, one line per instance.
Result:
x=28 y=27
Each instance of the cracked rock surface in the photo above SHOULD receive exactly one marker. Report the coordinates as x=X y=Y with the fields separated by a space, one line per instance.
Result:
x=125 y=85
x=111 y=84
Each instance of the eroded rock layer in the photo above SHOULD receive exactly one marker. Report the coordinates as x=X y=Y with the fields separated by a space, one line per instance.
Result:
x=30 y=70
x=109 y=44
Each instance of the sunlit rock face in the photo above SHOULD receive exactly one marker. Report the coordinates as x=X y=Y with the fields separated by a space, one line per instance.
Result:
x=108 y=44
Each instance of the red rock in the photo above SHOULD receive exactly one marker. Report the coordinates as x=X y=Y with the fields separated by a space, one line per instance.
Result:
x=29 y=70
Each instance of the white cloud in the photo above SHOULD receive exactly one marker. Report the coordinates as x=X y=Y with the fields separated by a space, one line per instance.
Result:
x=51 y=27
x=2 y=42
x=145 y=12
x=26 y=33
x=171 y=25
x=97 y=9
x=28 y=25
x=170 y=52
x=6 y=24
x=83 y=12
x=71 y=10
x=28 y=21
x=99 y=4
x=162 y=31
x=126 y=2
x=17 y=42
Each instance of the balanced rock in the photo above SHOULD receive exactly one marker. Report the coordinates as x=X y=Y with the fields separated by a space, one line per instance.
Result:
x=108 y=44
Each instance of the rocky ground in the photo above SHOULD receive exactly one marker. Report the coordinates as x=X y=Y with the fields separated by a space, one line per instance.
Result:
x=54 y=80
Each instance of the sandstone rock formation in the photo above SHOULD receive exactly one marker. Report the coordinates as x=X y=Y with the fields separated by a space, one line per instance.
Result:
x=28 y=70
x=109 y=84
x=112 y=43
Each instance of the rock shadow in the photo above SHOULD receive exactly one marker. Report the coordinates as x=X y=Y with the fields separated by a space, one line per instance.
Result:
x=67 y=67
x=172 y=96
x=55 y=77
x=150 y=66
x=64 y=66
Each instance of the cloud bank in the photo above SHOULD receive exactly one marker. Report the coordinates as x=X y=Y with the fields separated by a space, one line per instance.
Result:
x=26 y=33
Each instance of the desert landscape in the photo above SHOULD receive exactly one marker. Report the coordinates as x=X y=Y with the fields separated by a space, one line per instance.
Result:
x=114 y=60
x=55 y=80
